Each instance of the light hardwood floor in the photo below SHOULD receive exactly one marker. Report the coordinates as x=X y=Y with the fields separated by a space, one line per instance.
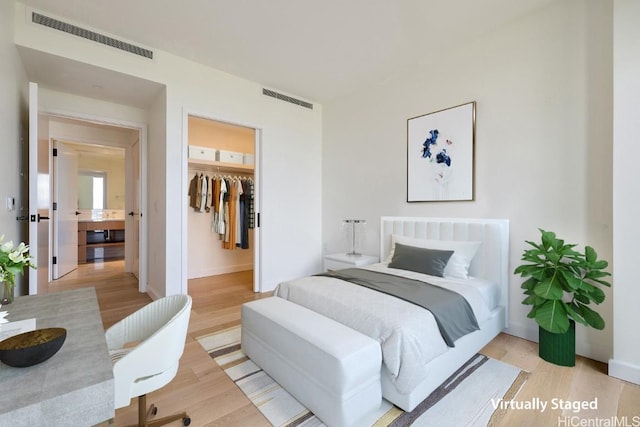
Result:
x=211 y=399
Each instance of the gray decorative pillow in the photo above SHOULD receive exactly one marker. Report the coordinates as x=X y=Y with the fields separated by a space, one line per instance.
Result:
x=420 y=260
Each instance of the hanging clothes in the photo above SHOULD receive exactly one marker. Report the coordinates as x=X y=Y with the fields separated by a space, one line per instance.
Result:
x=230 y=216
x=207 y=205
x=230 y=200
x=251 y=223
x=239 y=213
x=193 y=191
x=215 y=203
x=199 y=192
x=244 y=216
x=204 y=183
x=224 y=206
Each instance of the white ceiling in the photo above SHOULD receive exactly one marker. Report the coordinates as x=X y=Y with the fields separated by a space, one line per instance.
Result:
x=315 y=50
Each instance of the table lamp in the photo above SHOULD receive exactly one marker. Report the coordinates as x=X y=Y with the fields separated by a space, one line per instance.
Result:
x=353 y=223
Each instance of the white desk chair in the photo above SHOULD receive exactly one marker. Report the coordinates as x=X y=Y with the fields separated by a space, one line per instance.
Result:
x=145 y=348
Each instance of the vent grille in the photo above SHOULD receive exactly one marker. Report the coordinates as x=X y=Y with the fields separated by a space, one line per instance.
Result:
x=287 y=98
x=90 y=35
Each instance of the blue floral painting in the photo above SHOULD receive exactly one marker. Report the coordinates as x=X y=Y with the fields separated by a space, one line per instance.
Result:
x=440 y=167
x=442 y=156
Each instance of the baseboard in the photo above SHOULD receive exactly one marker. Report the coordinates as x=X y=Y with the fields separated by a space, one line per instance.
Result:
x=269 y=286
x=530 y=332
x=624 y=371
x=153 y=294
x=521 y=330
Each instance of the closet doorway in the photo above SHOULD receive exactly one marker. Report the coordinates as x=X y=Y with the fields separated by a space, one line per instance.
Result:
x=222 y=214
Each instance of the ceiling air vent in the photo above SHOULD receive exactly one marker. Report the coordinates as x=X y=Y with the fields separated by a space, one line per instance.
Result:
x=90 y=35
x=286 y=98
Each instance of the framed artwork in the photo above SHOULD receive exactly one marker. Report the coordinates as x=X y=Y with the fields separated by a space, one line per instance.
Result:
x=440 y=155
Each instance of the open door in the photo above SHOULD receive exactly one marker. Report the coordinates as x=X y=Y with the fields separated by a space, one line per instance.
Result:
x=135 y=236
x=65 y=219
x=39 y=195
x=133 y=221
x=257 y=253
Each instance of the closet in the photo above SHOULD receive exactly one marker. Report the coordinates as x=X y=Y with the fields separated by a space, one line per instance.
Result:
x=220 y=198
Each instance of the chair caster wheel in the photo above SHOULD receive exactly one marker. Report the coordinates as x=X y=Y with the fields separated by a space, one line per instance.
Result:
x=186 y=421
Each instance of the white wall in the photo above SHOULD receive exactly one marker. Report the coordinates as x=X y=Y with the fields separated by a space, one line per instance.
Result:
x=12 y=83
x=155 y=212
x=625 y=363
x=206 y=255
x=291 y=156
x=543 y=140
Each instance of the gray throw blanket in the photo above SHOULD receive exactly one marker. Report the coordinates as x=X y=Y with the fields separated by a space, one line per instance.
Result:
x=451 y=310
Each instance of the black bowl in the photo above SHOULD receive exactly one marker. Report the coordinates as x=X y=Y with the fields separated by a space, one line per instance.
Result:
x=31 y=348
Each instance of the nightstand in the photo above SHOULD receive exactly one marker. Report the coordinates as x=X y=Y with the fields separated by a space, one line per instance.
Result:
x=342 y=260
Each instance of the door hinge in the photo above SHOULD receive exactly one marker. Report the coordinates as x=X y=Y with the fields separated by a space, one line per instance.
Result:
x=55 y=260
x=55 y=206
x=55 y=152
x=258 y=219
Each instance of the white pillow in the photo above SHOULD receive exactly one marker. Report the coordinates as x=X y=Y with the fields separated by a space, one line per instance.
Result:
x=458 y=265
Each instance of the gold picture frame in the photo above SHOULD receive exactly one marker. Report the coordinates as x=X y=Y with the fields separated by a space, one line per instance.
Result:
x=440 y=155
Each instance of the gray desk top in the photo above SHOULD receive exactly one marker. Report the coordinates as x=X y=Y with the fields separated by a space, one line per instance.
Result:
x=75 y=386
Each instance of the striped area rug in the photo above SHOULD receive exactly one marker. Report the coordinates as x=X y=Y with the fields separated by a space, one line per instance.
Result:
x=464 y=399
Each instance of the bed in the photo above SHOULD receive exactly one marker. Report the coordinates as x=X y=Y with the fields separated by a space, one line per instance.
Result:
x=416 y=357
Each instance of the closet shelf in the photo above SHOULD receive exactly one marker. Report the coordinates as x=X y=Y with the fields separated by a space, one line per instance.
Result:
x=221 y=166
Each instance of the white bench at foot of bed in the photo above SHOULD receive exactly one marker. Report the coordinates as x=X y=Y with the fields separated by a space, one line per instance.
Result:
x=331 y=369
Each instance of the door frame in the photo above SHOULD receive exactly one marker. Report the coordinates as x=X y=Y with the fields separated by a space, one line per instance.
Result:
x=142 y=131
x=257 y=180
x=39 y=197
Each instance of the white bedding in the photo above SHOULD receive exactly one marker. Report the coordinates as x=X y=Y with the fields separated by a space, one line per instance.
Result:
x=408 y=334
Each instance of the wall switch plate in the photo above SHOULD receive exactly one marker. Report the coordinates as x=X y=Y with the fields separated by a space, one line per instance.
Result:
x=11 y=203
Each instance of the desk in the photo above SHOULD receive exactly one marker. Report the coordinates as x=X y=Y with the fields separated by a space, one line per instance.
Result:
x=75 y=386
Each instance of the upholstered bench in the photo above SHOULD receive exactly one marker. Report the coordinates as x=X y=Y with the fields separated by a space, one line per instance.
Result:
x=331 y=369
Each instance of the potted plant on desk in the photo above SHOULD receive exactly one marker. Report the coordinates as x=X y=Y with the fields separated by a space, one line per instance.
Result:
x=561 y=283
x=12 y=261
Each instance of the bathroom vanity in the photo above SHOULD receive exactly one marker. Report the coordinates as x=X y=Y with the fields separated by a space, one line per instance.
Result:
x=100 y=239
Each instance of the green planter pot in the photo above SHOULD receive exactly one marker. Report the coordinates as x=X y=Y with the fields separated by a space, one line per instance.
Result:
x=559 y=349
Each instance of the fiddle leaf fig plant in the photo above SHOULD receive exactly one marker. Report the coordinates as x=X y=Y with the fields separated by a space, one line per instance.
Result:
x=561 y=283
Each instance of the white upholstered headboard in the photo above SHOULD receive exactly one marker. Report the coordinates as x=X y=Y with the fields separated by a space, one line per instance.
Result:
x=492 y=260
